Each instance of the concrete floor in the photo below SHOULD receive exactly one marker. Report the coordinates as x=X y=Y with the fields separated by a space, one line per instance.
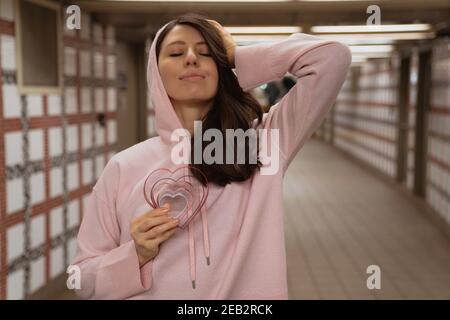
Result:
x=340 y=219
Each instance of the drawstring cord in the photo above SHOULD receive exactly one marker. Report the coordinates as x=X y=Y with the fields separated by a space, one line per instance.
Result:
x=192 y=263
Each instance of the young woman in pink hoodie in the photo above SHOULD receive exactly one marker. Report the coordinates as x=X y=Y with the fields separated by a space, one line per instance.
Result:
x=128 y=250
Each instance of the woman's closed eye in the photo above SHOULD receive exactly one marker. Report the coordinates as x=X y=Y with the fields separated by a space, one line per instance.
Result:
x=179 y=54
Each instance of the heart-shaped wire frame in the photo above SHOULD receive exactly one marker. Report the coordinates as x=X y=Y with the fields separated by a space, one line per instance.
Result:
x=174 y=196
x=166 y=176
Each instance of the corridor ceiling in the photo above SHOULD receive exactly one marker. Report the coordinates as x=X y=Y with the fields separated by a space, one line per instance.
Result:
x=135 y=20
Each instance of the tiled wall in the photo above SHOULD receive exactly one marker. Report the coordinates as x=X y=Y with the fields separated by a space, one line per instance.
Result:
x=52 y=150
x=365 y=114
x=365 y=121
x=438 y=155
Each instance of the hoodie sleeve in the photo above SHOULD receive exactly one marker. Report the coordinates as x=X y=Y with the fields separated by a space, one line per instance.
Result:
x=108 y=269
x=320 y=67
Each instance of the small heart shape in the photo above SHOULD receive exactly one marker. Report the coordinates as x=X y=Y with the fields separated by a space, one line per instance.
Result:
x=179 y=188
x=178 y=203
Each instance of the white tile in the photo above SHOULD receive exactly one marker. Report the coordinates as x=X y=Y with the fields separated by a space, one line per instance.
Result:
x=15 y=284
x=71 y=249
x=35 y=107
x=56 y=182
x=15 y=241
x=72 y=138
x=73 y=213
x=54 y=105
x=100 y=163
x=72 y=176
x=69 y=61
x=99 y=100
x=6 y=10
x=11 y=101
x=86 y=100
x=110 y=35
x=8 y=52
x=56 y=262
x=86 y=133
x=86 y=199
x=36 y=144
x=85 y=63
x=56 y=222
x=87 y=171
x=37 y=185
x=97 y=32
x=37 y=233
x=71 y=100
x=37 y=279
x=55 y=141
x=151 y=125
x=112 y=99
x=14 y=195
x=98 y=65
x=13 y=148
x=99 y=135
x=112 y=131
x=111 y=67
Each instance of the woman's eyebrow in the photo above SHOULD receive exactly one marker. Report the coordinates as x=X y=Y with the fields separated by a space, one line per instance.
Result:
x=182 y=42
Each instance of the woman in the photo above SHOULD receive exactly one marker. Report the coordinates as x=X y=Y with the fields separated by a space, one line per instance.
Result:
x=128 y=251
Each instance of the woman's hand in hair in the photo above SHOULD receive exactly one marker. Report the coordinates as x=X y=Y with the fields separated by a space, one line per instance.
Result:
x=150 y=230
x=228 y=41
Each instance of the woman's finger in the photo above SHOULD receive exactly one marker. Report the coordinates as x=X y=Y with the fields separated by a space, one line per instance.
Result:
x=152 y=213
x=152 y=222
x=161 y=229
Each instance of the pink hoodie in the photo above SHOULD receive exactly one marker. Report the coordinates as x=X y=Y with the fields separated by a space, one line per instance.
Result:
x=241 y=228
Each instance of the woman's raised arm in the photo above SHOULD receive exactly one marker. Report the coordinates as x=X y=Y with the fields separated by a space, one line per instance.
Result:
x=320 y=67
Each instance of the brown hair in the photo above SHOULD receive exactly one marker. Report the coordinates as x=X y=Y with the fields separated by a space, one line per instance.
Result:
x=232 y=107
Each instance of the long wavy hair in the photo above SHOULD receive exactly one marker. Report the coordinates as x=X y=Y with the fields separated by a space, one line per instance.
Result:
x=232 y=107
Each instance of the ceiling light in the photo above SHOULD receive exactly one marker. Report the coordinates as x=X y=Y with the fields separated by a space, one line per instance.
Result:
x=372 y=28
x=263 y=30
x=384 y=36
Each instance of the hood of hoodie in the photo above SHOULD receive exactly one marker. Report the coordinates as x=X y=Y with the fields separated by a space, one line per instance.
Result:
x=166 y=119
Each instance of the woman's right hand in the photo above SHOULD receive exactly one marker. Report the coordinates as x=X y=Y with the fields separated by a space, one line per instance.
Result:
x=151 y=229
x=228 y=41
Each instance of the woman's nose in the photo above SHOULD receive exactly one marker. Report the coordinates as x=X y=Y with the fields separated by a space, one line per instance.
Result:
x=191 y=57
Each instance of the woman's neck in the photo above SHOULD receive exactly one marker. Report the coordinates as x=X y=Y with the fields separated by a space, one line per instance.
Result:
x=188 y=112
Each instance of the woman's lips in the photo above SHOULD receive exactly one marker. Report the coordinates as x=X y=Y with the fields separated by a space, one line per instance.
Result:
x=192 y=78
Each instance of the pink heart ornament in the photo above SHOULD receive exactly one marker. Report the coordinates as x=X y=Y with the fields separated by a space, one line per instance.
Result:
x=183 y=191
